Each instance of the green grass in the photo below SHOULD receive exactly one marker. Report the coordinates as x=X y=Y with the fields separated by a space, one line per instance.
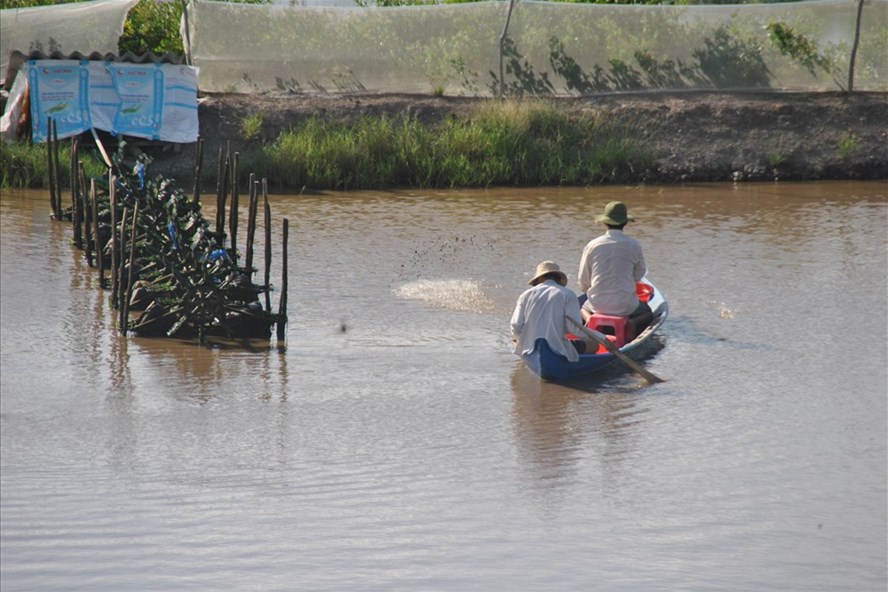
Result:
x=506 y=143
x=847 y=144
x=25 y=165
x=514 y=143
x=251 y=126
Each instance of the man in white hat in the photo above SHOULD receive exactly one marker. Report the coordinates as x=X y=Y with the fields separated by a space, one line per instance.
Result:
x=610 y=266
x=541 y=310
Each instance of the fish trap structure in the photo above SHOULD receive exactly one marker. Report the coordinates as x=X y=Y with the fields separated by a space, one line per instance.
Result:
x=170 y=273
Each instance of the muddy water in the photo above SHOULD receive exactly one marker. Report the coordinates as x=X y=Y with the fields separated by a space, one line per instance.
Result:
x=394 y=443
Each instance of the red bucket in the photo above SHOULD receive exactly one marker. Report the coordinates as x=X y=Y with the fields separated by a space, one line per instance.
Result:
x=644 y=291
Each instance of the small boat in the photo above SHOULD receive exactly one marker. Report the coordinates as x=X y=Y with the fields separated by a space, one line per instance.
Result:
x=548 y=365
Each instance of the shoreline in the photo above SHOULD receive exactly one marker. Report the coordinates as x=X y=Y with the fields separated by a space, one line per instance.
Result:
x=700 y=136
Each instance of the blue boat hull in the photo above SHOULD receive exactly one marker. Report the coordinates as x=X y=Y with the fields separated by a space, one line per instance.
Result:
x=551 y=366
x=548 y=365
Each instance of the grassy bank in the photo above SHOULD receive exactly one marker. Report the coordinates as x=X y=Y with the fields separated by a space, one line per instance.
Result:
x=504 y=144
x=25 y=165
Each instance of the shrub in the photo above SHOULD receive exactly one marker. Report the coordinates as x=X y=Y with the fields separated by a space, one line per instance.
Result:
x=152 y=27
x=251 y=126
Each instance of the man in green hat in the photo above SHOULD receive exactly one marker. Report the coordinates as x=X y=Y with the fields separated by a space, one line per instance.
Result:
x=610 y=266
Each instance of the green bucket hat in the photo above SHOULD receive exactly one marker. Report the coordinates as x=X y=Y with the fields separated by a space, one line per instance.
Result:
x=615 y=214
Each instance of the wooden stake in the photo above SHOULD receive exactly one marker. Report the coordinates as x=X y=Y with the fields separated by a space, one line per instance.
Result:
x=76 y=204
x=197 y=169
x=251 y=223
x=129 y=279
x=115 y=243
x=94 y=206
x=87 y=216
x=220 y=213
x=282 y=302
x=221 y=195
x=219 y=191
x=57 y=168
x=50 y=170
x=121 y=294
x=235 y=198
x=267 y=246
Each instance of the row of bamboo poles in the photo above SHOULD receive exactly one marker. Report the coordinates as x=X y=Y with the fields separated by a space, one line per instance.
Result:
x=186 y=279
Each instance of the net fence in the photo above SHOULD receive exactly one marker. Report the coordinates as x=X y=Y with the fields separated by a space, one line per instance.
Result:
x=84 y=27
x=551 y=48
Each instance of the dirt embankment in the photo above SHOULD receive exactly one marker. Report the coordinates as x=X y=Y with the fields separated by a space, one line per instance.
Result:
x=699 y=136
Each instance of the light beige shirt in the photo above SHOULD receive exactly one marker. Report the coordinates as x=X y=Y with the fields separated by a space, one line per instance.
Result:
x=540 y=312
x=609 y=267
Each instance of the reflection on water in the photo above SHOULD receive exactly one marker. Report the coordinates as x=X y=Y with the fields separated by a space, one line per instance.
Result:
x=394 y=442
x=551 y=421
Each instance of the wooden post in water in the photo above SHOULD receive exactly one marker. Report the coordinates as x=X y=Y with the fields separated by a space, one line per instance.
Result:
x=129 y=279
x=197 y=169
x=226 y=173
x=282 y=301
x=121 y=294
x=251 y=223
x=235 y=198
x=87 y=215
x=115 y=243
x=57 y=169
x=50 y=170
x=76 y=205
x=94 y=206
x=267 y=246
x=219 y=191
x=222 y=195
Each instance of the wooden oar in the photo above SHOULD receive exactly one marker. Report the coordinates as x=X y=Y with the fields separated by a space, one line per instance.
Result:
x=101 y=147
x=609 y=346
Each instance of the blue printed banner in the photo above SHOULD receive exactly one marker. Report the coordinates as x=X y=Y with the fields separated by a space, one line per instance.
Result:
x=59 y=89
x=153 y=101
x=103 y=99
x=179 y=104
x=140 y=89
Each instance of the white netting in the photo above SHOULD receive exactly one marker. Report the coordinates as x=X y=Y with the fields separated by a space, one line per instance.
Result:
x=84 y=27
x=560 y=48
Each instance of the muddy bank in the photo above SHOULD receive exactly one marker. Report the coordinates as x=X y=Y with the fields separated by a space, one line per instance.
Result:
x=695 y=137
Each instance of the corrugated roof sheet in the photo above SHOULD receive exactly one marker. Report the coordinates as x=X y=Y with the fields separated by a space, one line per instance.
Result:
x=17 y=58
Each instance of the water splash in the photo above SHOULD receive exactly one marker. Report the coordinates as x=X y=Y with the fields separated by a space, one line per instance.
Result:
x=724 y=311
x=461 y=295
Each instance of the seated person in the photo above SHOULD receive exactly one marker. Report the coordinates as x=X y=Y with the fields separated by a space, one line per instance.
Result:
x=610 y=266
x=541 y=311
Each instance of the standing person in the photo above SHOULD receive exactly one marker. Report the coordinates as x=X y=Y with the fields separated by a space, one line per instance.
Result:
x=610 y=266
x=541 y=310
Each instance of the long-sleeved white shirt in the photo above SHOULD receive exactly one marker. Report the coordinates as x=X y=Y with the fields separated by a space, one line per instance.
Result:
x=609 y=268
x=540 y=312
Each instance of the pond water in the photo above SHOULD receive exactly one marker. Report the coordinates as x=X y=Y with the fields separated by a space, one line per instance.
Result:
x=393 y=441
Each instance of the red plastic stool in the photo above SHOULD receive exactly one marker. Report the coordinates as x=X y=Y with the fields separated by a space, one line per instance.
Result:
x=601 y=349
x=619 y=327
x=604 y=350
